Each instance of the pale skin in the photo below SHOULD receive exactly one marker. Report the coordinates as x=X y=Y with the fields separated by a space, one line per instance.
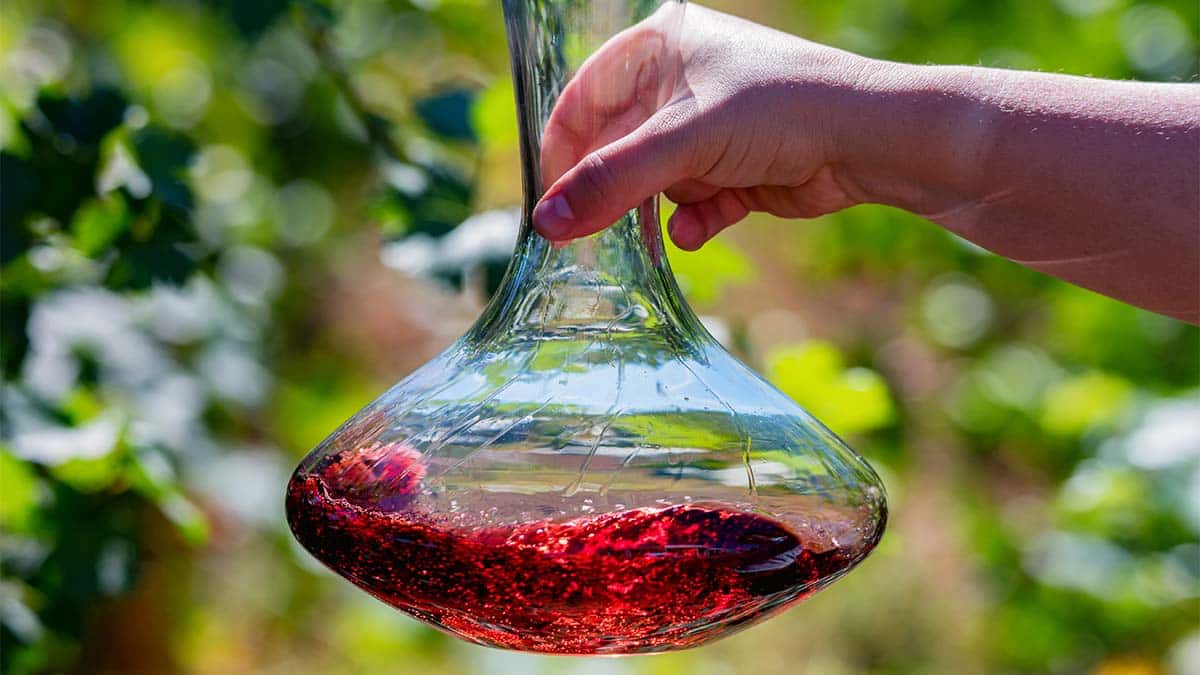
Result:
x=1093 y=181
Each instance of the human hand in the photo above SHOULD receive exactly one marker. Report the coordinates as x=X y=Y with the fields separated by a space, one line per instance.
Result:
x=1091 y=181
x=732 y=117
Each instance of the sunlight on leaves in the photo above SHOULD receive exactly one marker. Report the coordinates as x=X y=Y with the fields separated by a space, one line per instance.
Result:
x=848 y=400
x=1084 y=402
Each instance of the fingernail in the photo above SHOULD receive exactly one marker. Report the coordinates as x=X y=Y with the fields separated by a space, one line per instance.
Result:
x=554 y=218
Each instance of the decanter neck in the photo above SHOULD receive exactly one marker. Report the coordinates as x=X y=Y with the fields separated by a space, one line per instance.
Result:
x=616 y=279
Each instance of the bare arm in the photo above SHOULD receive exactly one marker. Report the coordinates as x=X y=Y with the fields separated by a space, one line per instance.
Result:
x=1096 y=182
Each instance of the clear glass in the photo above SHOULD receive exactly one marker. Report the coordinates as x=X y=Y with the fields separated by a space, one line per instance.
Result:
x=586 y=471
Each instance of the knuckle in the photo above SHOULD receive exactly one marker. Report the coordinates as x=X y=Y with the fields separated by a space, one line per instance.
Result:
x=596 y=174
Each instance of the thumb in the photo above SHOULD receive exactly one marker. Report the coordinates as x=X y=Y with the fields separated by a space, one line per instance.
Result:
x=613 y=180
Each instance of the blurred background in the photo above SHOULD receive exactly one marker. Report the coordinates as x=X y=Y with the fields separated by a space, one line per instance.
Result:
x=228 y=225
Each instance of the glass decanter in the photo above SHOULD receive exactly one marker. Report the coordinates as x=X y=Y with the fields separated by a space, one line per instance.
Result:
x=587 y=470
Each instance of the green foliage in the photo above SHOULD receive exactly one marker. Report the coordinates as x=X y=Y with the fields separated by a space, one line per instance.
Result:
x=18 y=493
x=1083 y=403
x=437 y=199
x=847 y=400
x=705 y=275
x=494 y=115
x=183 y=192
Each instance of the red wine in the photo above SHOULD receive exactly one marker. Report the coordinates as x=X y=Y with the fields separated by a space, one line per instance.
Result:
x=632 y=581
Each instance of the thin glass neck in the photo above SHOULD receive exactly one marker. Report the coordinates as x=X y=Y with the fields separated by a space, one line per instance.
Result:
x=618 y=278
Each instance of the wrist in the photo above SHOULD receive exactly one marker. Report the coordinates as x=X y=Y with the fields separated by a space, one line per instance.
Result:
x=910 y=136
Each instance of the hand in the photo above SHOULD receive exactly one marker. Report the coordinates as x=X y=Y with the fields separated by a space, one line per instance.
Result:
x=733 y=117
x=1092 y=181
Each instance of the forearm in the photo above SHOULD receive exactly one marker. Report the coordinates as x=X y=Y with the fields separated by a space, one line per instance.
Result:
x=1096 y=182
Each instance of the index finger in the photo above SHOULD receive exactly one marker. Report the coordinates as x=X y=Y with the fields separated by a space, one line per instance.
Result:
x=631 y=77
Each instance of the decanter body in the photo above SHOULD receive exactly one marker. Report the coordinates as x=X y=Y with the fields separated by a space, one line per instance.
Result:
x=586 y=471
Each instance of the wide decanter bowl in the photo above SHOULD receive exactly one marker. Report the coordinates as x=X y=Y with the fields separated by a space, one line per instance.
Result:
x=587 y=471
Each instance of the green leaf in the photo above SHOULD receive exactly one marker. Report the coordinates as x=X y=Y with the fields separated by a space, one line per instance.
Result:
x=86 y=120
x=14 y=339
x=705 y=275
x=304 y=413
x=19 y=184
x=99 y=223
x=188 y=520
x=252 y=19
x=317 y=14
x=142 y=265
x=435 y=200
x=165 y=156
x=91 y=475
x=494 y=115
x=448 y=114
x=815 y=376
x=18 y=492
x=158 y=484
x=1084 y=402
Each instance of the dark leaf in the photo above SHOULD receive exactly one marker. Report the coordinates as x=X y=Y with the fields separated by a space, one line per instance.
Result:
x=53 y=179
x=18 y=199
x=438 y=207
x=85 y=120
x=253 y=18
x=165 y=156
x=158 y=249
x=141 y=265
x=449 y=114
x=14 y=313
x=317 y=14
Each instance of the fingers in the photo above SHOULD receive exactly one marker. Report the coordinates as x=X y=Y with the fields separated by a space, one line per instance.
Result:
x=608 y=183
x=690 y=191
x=615 y=91
x=610 y=143
x=694 y=224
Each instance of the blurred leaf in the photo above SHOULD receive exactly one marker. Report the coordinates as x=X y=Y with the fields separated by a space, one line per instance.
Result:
x=1089 y=328
x=303 y=414
x=92 y=474
x=448 y=114
x=98 y=224
x=14 y=341
x=188 y=520
x=880 y=242
x=1084 y=402
x=957 y=311
x=140 y=267
x=18 y=199
x=429 y=199
x=973 y=410
x=847 y=400
x=1123 y=505
x=374 y=635
x=317 y=13
x=18 y=493
x=149 y=476
x=83 y=404
x=253 y=18
x=1029 y=637
x=159 y=42
x=165 y=157
x=705 y=275
x=59 y=171
x=494 y=115
x=84 y=120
